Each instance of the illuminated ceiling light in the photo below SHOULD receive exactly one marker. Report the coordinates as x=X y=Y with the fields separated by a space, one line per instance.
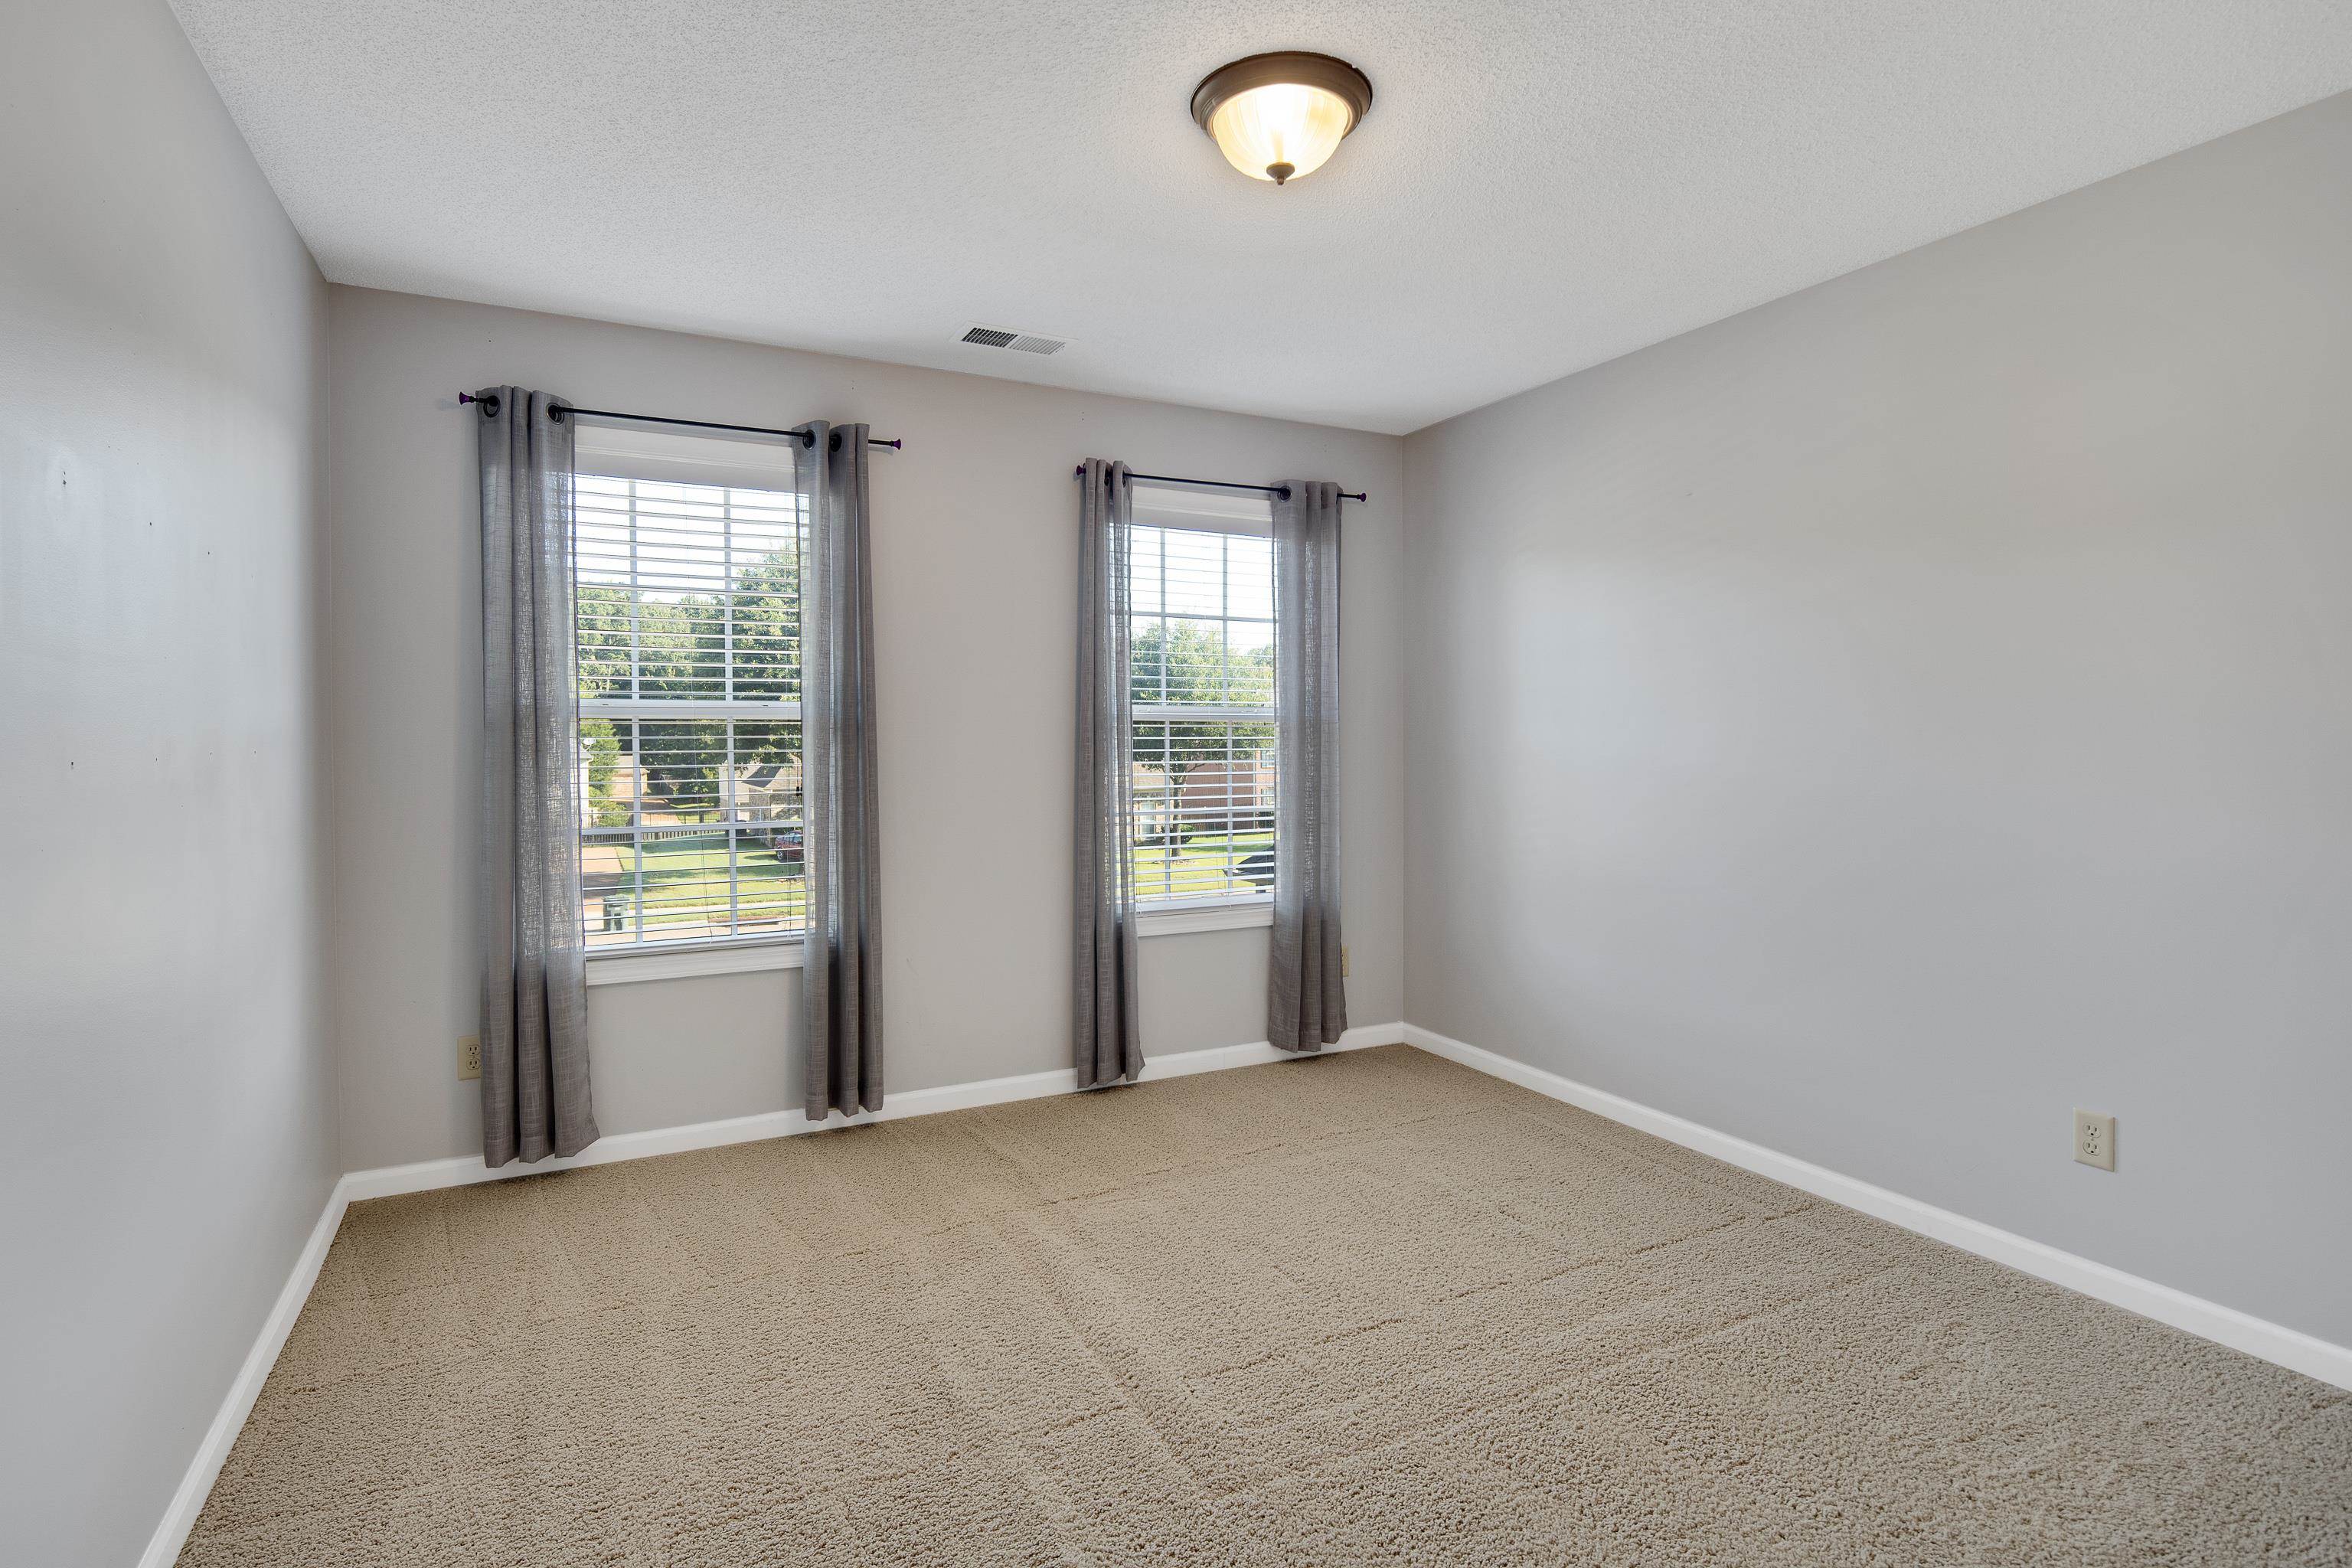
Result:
x=1279 y=116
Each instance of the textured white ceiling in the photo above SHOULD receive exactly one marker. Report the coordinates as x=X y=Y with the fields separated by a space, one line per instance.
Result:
x=1538 y=187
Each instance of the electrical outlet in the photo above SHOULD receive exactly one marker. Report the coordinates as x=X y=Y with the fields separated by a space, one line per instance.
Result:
x=470 y=1057
x=2095 y=1140
x=1343 y=961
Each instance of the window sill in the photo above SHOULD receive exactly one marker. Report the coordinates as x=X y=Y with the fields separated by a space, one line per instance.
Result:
x=1210 y=917
x=735 y=958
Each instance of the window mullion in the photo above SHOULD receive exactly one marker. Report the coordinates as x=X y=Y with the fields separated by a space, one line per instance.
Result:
x=636 y=593
x=1225 y=617
x=1171 y=799
x=638 y=833
x=636 y=728
x=731 y=816
x=727 y=599
x=1230 y=857
x=1226 y=691
x=728 y=812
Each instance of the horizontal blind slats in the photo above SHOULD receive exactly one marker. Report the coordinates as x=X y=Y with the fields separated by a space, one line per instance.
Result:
x=689 y=627
x=1202 y=680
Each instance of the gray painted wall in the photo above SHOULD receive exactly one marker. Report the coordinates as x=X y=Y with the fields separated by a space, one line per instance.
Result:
x=165 y=1086
x=1883 y=721
x=973 y=528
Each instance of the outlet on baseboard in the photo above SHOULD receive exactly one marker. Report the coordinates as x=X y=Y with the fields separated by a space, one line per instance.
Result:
x=470 y=1057
x=2095 y=1140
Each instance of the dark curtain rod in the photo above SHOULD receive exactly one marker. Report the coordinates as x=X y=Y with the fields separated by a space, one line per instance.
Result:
x=1283 y=490
x=808 y=437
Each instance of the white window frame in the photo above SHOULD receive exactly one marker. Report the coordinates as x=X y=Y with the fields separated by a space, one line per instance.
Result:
x=1205 y=509
x=617 y=450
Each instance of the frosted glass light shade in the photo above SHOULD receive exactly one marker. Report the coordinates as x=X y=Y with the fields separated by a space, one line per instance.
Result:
x=1279 y=116
x=1281 y=132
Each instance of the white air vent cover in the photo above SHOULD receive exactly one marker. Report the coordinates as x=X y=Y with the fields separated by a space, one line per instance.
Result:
x=1026 y=342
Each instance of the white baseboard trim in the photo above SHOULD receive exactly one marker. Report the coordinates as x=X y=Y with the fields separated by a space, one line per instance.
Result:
x=391 y=1181
x=2275 y=1342
x=465 y=1170
x=2239 y=1331
x=172 y=1532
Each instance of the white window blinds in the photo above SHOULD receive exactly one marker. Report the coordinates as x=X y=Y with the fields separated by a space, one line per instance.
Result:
x=1202 y=583
x=688 y=622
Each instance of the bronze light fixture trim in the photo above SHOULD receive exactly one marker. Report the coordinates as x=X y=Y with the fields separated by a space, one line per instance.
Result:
x=1279 y=116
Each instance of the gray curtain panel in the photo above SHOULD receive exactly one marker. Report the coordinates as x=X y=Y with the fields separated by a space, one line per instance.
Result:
x=1306 y=1000
x=534 y=1027
x=1109 y=1043
x=841 y=976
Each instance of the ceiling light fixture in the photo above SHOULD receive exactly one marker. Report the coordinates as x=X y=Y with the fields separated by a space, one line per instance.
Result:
x=1279 y=116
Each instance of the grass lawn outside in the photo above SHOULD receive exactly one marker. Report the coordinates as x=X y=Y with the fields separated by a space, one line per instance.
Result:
x=686 y=889
x=687 y=894
x=1203 y=868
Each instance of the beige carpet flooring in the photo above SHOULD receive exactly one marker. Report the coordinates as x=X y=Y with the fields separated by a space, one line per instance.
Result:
x=1372 y=1309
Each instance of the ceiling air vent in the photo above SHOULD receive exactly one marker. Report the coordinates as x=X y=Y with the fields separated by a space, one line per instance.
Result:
x=1026 y=342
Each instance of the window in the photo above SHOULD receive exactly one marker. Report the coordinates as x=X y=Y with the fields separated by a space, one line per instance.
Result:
x=1201 y=585
x=688 y=575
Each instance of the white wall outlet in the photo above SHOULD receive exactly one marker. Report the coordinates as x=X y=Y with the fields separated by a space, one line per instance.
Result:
x=2095 y=1140
x=470 y=1057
